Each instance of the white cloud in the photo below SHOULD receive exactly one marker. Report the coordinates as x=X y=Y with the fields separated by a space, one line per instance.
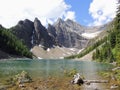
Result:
x=11 y=11
x=70 y=15
x=102 y=11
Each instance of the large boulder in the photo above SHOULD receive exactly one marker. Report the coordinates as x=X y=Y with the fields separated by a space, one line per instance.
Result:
x=77 y=79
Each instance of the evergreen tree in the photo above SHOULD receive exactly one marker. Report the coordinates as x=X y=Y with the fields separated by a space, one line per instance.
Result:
x=10 y=44
x=112 y=38
x=117 y=30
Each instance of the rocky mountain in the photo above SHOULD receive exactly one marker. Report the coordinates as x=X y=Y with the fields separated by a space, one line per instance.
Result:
x=62 y=33
x=33 y=33
x=68 y=34
x=24 y=30
x=65 y=33
x=71 y=34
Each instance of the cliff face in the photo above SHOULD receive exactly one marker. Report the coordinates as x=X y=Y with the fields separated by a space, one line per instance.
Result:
x=71 y=34
x=62 y=33
x=24 y=30
x=42 y=36
x=67 y=33
x=67 y=37
x=33 y=33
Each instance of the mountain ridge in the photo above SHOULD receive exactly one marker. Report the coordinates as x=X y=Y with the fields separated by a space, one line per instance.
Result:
x=62 y=33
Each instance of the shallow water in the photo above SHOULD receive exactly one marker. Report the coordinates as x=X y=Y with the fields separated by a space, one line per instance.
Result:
x=45 y=68
x=50 y=67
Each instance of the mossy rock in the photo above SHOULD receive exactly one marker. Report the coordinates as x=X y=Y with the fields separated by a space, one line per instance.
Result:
x=23 y=77
x=20 y=78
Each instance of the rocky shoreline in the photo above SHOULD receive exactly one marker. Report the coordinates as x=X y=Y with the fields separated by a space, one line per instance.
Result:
x=23 y=81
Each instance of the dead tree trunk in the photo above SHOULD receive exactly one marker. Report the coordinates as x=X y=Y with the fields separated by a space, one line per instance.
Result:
x=95 y=81
x=78 y=80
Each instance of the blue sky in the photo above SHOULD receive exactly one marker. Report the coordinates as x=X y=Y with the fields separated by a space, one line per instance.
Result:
x=85 y=12
x=93 y=12
x=81 y=9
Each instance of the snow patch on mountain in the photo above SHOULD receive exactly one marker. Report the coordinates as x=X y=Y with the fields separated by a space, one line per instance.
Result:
x=90 y=35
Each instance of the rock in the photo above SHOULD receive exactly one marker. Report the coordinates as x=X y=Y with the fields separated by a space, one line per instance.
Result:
x=114 y=63
x=36 y=88
x=2 y=87
x=114 y=86
x=23 y=77
x=77 y=79
x=22 y=85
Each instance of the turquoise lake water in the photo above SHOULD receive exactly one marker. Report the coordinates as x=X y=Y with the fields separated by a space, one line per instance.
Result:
x=44 y=67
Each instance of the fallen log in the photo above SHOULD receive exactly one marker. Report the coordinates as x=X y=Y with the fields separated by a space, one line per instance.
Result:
x=115 y=68
x=95 y=81
x=78 y=80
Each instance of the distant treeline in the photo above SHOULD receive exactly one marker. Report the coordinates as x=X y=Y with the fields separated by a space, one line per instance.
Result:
x=110 y=51
x=88 y=49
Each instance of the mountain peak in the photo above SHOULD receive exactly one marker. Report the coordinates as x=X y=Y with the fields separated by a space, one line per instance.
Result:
x=37 y=20
x=69 y=20
x=38 y=26
x=59 y=21
x=1 y=26
x=25 y=22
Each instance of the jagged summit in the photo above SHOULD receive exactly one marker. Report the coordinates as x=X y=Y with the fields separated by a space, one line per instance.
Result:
x=1 y=26
x=59 y=21
x=62 y=33
x=36 y=20
x=33 y=33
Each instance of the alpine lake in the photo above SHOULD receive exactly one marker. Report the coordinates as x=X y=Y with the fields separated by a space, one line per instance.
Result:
x=53 y=74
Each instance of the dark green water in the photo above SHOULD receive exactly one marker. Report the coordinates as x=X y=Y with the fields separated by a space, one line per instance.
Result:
x=44 y=68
